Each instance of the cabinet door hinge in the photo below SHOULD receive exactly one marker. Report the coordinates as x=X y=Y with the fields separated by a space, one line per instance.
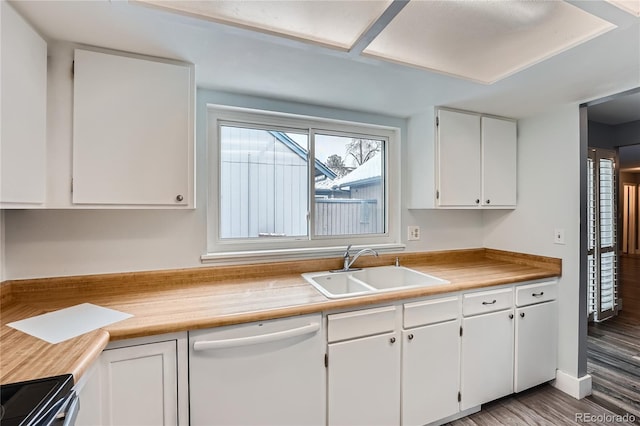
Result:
x=437 y=121
x=72 y=185
x=73 y=69
x=437 y=195
x=326 y=360
x=459 y=396
x=460 y=330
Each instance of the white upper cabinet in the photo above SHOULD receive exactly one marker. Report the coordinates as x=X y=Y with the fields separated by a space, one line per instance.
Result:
x=133 y=131
x=468 y=162
x=23 y=122
x=458 y=159
x=498 y=162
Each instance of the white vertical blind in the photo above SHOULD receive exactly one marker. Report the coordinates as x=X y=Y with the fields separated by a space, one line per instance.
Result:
x=601 y=228
x=592 y=270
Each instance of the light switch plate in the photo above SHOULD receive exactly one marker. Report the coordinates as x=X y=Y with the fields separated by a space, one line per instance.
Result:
x=558 y=236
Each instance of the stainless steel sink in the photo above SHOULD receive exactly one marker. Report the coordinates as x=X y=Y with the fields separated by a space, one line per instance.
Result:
x=373 y=280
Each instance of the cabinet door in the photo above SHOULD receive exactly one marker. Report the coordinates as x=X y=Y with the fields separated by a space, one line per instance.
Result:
x=364 y=381
x=430 y=373
x=536 y=345
x=23 y=124
x=458 y=159
x=487 y=358
x=132 y=131
x=89 y=389
x=140 y=385
x=499 y=159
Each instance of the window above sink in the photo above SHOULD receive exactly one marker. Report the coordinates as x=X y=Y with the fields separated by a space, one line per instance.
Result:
x=295 y=185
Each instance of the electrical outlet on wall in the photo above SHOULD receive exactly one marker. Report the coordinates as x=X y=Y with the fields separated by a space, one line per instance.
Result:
x=413 y=233
x=558 y=236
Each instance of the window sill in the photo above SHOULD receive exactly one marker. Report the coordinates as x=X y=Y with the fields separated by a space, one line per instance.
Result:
x=262 y=256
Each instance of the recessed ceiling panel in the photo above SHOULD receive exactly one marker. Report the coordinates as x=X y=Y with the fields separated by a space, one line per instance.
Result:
x=335 y=23
x=631 y=6
x=483 y=41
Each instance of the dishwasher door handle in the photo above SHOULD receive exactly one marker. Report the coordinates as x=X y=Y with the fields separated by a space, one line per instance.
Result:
x=205 y=345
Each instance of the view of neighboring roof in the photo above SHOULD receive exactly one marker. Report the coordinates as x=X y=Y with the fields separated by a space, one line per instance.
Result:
x=320 y=167
x=368 y=172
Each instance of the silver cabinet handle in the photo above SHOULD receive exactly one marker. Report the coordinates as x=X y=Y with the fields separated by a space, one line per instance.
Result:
x=489 y=303
x=510 y=316
x=521 y=314
x=538 y=294
x=179 y=197
x=477 y=200
x=392 y=340
x=410 y=337
x=488 y=201
x=204 y=345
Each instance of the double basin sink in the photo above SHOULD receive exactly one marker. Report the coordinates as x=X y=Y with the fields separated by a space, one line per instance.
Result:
x=369 y=281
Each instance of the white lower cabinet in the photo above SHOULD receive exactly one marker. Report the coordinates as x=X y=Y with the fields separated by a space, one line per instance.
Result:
x=364 y=381
x=140 y=385
x=363 y=371
x=137 y=383
x=536 y=339
x=89 y=393
x=430 y=373
x=430 y=360
x=487 y=347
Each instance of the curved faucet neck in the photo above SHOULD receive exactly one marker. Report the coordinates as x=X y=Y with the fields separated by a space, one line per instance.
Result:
x=348 y=263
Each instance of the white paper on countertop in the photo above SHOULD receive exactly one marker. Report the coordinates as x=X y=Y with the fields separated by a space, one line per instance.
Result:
x=64 y=324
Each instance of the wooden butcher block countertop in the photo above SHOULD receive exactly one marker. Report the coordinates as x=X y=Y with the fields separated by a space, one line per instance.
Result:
x=180 y=300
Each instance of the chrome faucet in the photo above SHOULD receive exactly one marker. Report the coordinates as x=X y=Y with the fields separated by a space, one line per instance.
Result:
x=348 y=260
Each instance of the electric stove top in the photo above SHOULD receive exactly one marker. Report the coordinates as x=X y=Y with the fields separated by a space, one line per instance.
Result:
x=33 y=402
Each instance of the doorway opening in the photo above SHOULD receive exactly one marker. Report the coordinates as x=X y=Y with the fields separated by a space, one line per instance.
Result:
x=610 y=250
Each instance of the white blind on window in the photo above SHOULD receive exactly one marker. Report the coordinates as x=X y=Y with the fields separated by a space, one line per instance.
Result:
x=607 y=234
x=592 y=270
x=592 y=283
x=601 y=231
x=607 y=207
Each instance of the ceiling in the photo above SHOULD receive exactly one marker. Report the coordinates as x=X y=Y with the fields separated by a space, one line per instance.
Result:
x=482 y=41
x=618 y=110
x=237 y=59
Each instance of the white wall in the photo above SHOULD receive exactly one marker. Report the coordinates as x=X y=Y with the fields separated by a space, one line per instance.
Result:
x=62 y=242
x=548 y=198
x=2 y=245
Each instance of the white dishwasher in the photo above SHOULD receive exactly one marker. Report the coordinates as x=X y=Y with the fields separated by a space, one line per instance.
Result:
x=261 y=373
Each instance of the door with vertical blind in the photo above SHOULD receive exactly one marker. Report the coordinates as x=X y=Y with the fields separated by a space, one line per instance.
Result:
x=602 y=258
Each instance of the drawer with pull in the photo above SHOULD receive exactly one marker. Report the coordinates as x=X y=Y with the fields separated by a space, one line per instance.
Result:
x=366 y=322
x=536 y=293
x=431 y=311
x=487 y=301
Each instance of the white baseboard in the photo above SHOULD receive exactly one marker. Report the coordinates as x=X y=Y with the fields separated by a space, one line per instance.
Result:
x=577 y=387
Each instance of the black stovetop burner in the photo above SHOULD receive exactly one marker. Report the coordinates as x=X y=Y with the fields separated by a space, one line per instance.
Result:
x=27 y=403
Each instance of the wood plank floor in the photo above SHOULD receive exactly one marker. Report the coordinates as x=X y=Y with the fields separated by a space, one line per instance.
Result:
x=543 y=405
x=614 y=362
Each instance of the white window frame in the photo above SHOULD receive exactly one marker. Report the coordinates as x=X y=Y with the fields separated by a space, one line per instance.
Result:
x=251 y=250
